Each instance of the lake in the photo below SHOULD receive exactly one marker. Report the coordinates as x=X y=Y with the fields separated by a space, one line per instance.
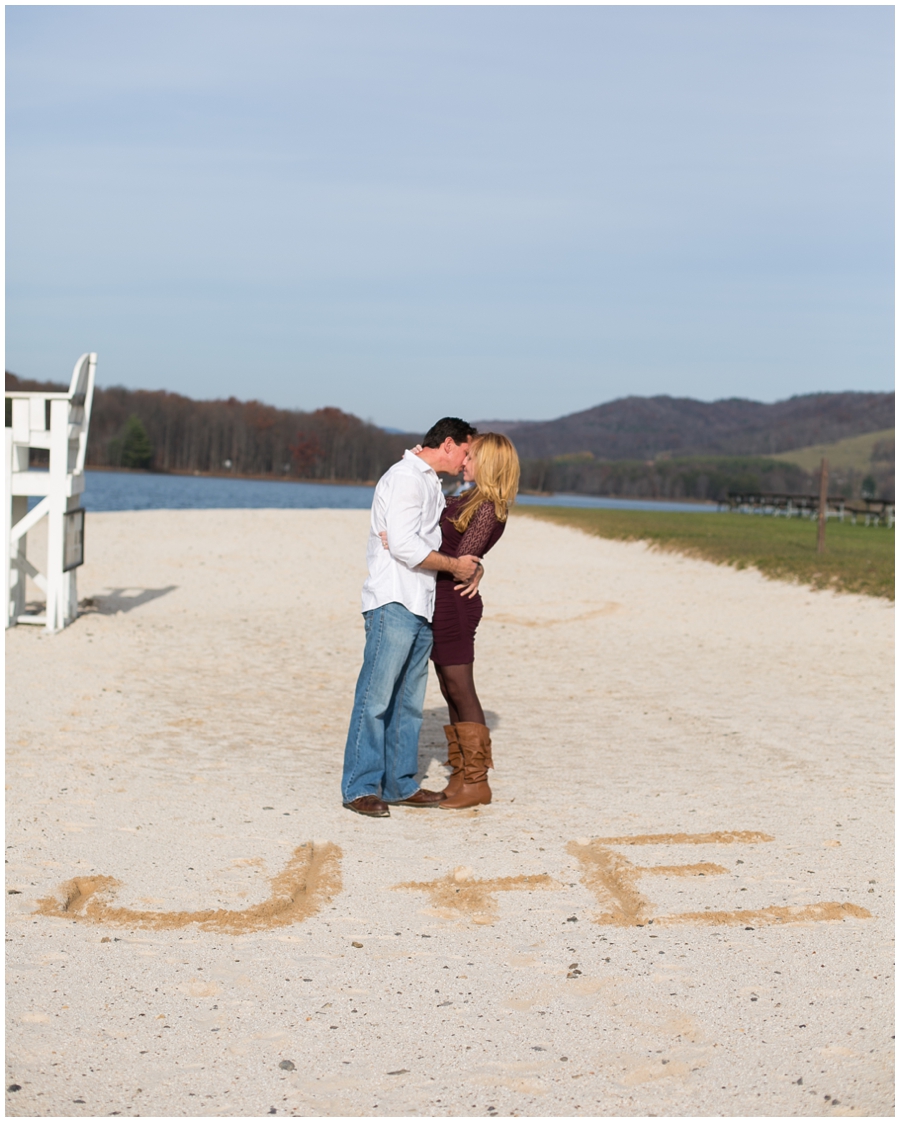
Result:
x=117 y=490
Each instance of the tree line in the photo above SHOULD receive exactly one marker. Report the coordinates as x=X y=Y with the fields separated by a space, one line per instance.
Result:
x=240 y=437
x=162 y=431
x=692 y=477
x=168 y=432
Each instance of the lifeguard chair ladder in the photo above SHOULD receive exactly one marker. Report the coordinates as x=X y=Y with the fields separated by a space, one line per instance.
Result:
x=58 y=422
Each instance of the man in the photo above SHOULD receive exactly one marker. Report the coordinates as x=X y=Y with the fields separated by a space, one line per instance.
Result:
x=381 y=756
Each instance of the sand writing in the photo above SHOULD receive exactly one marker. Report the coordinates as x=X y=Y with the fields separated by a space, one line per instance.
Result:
x=524 y=621
x=458 y=894
x=719 y=837
x=799 y=913
x=310 y=879
x=703 y=869
x=614 y=881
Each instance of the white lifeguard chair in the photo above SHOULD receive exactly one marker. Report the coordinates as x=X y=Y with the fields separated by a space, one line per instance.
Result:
x=58 y=422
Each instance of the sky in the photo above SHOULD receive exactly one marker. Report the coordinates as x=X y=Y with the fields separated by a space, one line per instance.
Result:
x=493 y=212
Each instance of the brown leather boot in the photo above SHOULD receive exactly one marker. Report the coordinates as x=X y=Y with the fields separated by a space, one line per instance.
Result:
x=475 y=745
x=455 y=761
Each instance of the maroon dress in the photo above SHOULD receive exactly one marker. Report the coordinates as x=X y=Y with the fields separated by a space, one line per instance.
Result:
x=455 y=616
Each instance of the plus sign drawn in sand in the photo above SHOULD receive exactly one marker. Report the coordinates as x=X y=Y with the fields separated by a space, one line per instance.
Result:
x=309 y=880
x=458 y=894
x=614 y=881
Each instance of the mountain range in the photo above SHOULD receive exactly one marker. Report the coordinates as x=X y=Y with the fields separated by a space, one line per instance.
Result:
x=644 y=428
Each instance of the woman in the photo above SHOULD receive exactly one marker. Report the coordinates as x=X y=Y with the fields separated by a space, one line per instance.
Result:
x=472 y=523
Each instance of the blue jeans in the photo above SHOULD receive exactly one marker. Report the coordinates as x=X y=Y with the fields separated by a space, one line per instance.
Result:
x=382 y=752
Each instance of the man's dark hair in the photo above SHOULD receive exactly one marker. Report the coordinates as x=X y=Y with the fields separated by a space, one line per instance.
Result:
x=458 y=431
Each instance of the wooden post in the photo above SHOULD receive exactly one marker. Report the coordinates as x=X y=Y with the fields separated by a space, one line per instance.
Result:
x=823 y=505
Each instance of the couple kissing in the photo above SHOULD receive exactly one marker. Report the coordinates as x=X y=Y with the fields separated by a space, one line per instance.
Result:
x=420 y=600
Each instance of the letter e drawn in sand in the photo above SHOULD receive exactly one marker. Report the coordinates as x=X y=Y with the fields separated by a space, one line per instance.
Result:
x=457 y=894
x=613 y=879
x=310 y=879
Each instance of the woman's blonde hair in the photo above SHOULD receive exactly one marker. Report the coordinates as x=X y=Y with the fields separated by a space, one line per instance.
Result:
x=496 y=477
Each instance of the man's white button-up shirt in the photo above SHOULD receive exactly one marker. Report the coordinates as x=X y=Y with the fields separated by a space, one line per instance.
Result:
x=408 y=504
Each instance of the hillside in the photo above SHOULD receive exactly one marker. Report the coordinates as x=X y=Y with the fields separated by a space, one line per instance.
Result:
x=642 y=428
x=859 y=453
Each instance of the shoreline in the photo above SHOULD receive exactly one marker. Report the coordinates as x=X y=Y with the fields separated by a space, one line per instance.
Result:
x=232 y=475
x=371 y=484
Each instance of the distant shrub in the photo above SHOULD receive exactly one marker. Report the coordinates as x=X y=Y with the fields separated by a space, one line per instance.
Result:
x=133 y=447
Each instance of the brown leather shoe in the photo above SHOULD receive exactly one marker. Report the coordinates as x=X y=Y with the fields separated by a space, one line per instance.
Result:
x=370 y=805
x=422 y=798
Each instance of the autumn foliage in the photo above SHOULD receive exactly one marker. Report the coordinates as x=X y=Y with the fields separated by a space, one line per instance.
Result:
x=232 y=437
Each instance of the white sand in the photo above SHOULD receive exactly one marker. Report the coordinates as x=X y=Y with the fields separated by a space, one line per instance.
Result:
x=631 y=693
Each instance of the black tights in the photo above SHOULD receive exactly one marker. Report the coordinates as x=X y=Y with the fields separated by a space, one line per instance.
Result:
x=458 y=687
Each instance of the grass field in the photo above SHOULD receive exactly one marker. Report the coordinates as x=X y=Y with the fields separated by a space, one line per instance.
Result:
x=857 y=558
x=854 y=452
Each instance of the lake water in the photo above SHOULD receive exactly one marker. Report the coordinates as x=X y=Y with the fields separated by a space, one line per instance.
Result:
x=115 y=490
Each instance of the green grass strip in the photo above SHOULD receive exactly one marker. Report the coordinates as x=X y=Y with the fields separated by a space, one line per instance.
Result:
x=856 y=559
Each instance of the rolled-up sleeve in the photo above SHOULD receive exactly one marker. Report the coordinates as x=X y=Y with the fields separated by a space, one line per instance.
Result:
x=403 y=521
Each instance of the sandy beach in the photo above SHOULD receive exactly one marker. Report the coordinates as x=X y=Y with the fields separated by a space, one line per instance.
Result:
x=679 y=902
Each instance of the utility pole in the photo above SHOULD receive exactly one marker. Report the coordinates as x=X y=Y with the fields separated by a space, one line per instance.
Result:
x=823 y=505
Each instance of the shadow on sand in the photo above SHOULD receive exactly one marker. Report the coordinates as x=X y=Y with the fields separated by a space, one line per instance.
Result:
x=433 y=743
x=122 y=600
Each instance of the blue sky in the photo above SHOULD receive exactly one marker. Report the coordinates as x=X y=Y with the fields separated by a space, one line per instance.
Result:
x=498 y=212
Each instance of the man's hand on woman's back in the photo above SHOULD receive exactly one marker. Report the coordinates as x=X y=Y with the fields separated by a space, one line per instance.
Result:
x=465 y=567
